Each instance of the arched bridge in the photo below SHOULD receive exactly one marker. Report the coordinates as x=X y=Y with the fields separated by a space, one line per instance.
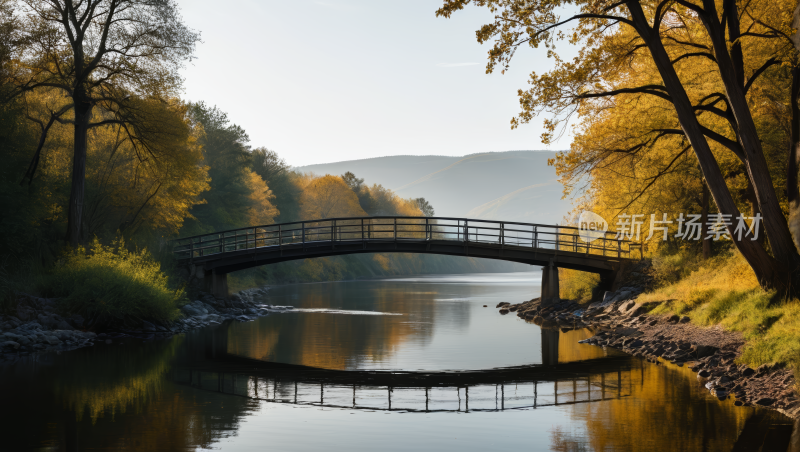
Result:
x=213 y=256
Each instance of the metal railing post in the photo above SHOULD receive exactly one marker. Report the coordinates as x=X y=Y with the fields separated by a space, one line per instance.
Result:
x=536 y=237
x=280 y=236
x=502 y=233
x=303 y=232
x=427 y=229
x=395 y=229
x=466 y=230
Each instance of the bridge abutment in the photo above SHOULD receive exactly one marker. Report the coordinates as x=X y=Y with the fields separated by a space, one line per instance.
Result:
x=216 y=283
x=550 y=288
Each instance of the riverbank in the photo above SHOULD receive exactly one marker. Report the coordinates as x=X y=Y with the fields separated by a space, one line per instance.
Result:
x=38 y=326
x=620 y=322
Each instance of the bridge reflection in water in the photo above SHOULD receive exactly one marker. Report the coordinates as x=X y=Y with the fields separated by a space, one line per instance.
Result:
x=549 y=384
x=481 y=397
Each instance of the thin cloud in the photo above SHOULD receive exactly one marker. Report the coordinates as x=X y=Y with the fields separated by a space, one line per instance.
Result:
x=335 y=6
x=455 y=64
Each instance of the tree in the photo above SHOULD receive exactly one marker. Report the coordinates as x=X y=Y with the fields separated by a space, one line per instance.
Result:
x=740 y=43
x=227 y=154
x=329 y=197
x=353 y=182
x=104 y=54
x=424 y=206
x=261 y=211
x=281 y=180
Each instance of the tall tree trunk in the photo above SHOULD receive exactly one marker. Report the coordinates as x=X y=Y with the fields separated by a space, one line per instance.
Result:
x=769 y=274
x=83 y=113
x=792 y=185
x=774 y=222
x=704 y=220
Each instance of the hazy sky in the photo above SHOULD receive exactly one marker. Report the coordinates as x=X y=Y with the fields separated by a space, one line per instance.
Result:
x=328 y=80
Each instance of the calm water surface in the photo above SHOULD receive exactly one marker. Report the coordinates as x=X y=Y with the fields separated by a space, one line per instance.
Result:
x=478 y=381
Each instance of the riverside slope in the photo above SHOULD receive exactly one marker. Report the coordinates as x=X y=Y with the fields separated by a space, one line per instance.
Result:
x=619 y=322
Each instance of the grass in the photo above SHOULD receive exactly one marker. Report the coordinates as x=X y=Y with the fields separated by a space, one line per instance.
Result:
x=724 y=291
x=112 y=284
x=576 y=285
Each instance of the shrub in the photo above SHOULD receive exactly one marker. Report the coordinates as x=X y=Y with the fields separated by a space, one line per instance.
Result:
x=105 y=284
x=577 y=285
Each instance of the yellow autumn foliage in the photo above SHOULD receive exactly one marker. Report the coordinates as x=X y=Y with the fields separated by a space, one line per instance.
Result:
x=328 y=197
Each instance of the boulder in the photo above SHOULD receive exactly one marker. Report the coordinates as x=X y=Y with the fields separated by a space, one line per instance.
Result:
x=50 y=321
x=64 y=325
x=191 y=310
x=622 y=295
x=685 y=319
x=147 y=326
x=77 y=321
x=25 y=313
x=628 y=308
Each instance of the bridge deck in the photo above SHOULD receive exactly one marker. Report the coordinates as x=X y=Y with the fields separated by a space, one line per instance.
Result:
x=535 y=244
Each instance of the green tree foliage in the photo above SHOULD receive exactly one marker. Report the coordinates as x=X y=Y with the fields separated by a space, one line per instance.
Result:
x=229 y=203
x=424 y=206
x=281 y=180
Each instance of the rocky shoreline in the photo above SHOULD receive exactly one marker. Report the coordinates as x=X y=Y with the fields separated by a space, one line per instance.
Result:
x=621 y=322
x=38 y=327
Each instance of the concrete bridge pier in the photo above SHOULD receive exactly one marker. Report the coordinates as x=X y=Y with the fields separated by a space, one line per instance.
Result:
x=550 y=346
x=550 y=290
x=216 y=283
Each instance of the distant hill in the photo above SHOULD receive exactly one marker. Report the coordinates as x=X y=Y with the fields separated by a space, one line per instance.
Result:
x=511 y=186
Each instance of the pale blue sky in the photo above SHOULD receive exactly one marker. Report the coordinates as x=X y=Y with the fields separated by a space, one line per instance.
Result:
x=329 y=80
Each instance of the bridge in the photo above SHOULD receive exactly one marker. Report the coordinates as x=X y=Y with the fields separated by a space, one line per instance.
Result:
x=211 y=257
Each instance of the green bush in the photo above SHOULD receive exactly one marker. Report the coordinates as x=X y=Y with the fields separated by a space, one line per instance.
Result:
x=107 y=284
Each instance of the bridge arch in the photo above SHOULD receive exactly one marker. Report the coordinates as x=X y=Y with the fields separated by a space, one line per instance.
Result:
x=212 y=256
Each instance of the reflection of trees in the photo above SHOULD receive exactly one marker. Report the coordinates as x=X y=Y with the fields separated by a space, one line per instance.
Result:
x=336 y=341
x=668 y=407
x=112 y=397
x=562 y=441
x=176 y=418
x=570 y=350
x=112 y=379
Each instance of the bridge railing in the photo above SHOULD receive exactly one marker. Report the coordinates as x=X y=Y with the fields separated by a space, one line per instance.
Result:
x=340 y=230
x=511 y=395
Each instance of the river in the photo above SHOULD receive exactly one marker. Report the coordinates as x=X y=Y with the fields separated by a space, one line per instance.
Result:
x=422 y=363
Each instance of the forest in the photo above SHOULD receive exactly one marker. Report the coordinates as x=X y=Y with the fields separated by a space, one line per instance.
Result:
x=105 y=163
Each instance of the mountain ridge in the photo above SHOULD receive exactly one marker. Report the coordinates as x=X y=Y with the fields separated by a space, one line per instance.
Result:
x=489 y=185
